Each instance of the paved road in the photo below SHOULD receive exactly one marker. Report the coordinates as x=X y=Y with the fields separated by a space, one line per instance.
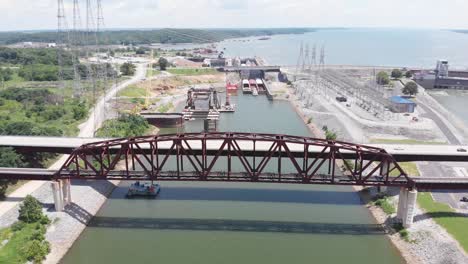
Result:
x=98 y=114
x=400 y=152
x=443 y=169
x=446 y=169
x=451 y=138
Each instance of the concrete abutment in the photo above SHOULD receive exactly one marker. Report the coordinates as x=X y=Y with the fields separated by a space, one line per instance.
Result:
x=407 y=206
x=61 y=191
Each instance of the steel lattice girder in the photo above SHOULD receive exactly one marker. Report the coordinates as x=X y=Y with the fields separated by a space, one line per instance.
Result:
x=308 y=157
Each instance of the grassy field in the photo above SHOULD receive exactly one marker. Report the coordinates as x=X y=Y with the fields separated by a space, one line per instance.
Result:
x=195 y=71
x=405 y=141
x=165 y=108
x=152 y=72
x=409 y=167
x=16 y=240
x=133 y=91
x=455 y=223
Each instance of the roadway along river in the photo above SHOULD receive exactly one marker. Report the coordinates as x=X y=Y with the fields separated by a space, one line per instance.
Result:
x=237 y=223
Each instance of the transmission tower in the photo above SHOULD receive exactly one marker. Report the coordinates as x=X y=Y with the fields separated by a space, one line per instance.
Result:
x=322 y=57
x=62 y=41
x=299 y=59
x=313 y=60
x=76 y=41
x=306 y=60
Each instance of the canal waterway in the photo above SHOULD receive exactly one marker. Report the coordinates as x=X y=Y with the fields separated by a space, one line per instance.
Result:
x=214 y=223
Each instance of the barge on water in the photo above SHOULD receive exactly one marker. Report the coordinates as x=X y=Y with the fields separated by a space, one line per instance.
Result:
x=139 y=189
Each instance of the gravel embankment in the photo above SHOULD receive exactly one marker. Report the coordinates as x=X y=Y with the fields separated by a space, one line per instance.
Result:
x=87 y=199
x=429 y=242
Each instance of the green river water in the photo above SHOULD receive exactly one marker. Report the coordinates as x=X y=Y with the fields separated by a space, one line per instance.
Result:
x=213 y=223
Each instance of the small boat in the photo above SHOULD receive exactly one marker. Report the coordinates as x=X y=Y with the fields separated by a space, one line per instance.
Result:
x=231 y=87
x=143 y=190
x=246 y=87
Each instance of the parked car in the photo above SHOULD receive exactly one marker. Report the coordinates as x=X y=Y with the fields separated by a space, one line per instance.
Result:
x=461 y=150
x=464 y=199
x=342 y=99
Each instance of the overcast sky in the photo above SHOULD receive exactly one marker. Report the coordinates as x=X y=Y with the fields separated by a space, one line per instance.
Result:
x=41 y=14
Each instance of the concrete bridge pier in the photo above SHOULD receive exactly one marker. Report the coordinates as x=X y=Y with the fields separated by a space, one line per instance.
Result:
x=62 y=194
x=407 y=206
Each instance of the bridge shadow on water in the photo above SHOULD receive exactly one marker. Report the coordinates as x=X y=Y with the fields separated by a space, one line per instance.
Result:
x=251 y=195
x=236 y=226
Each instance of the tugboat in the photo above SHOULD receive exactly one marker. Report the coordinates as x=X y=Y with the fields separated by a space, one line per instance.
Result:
x=143 y=190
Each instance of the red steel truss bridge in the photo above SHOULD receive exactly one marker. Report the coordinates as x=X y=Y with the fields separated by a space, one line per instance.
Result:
x=236 y=157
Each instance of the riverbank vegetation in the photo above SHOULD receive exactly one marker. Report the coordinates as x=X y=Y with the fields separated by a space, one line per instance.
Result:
x=329 y=134
x=382 y=201
x=128 y=37
x=128 y=125
x=455 y=223
x=25 y=240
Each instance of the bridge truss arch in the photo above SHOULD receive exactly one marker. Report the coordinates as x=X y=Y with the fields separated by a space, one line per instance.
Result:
x=235 y=157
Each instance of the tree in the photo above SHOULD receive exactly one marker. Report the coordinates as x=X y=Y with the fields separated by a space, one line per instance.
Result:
x=140 y=51
x=382 y=78
x=408 y=74
x=329 y=134
x=397 y=74
x=9 y=158
x=410 y=88
x=163 y=63
x=30 y=210
x=128 y=69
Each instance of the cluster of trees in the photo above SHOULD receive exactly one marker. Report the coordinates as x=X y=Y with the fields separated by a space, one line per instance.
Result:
x=9 y=158
x=136 y=37
x=43 y=72
x=142 y=50
x=397 y=74
x=28 y=56
x=27 y=111
x=6 y=74
x=128 y=69
x=39 y=72
x=128 y=125
x=383 y=78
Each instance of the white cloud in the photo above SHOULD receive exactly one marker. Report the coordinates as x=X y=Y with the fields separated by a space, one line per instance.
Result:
x=41 y=14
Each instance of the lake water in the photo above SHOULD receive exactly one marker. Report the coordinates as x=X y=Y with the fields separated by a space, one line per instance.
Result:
x=375 y=47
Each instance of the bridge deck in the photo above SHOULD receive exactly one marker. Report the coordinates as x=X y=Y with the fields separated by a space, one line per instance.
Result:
x=66 y=145
x=420 y=183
